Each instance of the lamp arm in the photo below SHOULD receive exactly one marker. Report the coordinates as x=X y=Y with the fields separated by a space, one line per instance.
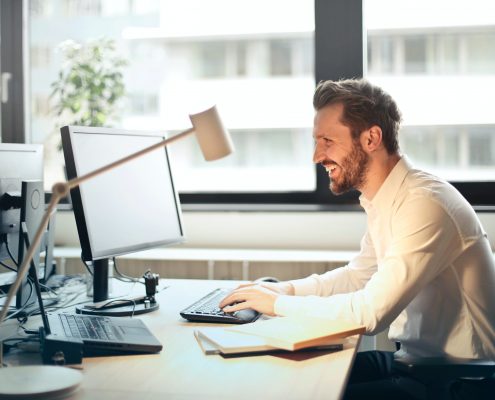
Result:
x=77 y=181
x=61 y=190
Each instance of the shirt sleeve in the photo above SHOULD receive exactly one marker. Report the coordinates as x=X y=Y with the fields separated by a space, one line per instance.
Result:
x=425 y=241
x=345 y=279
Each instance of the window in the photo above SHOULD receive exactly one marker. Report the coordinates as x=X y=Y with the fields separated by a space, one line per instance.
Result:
x=40 y=105
x=441 y=70
x=40 y=8
x=259 y=74
x=480 y=49
x=482 y=147
x=241 y=59
x=40 y=56
x=143 y=103
x=212 y=60
x=260 y=68
x=415 y=54
x=448 y=49
x=280 y=57
x=78 y=8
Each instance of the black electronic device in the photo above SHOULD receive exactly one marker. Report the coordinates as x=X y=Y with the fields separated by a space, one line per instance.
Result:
x=60 y=350
x=49 y=265
x=32 y=209
x=206 y=310
x=151 y=282
x=18 y=163
x=130 y=208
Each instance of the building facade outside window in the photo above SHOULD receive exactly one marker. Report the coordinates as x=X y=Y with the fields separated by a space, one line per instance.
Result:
x=260 y=69
x=441 y=70
x=228 y=53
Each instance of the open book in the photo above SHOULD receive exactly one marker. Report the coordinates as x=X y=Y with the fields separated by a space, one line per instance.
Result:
x=216 y=340
x=294 y=333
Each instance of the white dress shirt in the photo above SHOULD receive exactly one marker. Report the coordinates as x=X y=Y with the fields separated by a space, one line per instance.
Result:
x=425 y=268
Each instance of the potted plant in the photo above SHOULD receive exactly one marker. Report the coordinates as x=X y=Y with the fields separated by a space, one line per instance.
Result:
x=90 y=83
x=88 y=91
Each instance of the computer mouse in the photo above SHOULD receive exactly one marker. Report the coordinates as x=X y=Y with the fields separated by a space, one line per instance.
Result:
x=266 y=279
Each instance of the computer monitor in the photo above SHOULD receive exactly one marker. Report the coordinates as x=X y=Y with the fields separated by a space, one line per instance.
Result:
x=131 y=208
x=18 y=163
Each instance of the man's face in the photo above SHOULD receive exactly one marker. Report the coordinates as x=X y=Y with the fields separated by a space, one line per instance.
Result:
x=344 y=158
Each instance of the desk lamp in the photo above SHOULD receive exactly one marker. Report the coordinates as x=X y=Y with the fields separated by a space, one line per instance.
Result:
x=215 y=143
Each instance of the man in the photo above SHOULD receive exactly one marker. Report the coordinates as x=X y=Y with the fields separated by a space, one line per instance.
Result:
x=425 y=267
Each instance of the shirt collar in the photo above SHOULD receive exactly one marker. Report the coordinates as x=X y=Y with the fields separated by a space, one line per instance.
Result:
x=390 y=187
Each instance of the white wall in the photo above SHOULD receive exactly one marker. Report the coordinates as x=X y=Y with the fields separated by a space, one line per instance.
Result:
x=279 y=230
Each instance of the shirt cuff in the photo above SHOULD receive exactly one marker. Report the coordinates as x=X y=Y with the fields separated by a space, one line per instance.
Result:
x=304 y=287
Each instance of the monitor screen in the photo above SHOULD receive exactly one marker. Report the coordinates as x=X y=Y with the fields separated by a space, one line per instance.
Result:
x=18 y=163
x=130 y=208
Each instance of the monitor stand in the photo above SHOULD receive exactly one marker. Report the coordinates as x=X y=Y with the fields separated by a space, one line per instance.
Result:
x=118 y=307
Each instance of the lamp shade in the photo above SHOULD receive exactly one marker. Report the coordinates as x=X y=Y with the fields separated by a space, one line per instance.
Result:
x=213 y=138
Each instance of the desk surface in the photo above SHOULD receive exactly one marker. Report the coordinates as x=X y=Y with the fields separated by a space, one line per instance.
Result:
x=182 y=371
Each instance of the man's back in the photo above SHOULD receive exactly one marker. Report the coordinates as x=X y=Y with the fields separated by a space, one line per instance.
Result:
x=454 y=313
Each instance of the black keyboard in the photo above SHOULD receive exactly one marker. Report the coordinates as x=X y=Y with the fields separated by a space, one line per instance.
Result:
x=206 y=310
x=87 y=327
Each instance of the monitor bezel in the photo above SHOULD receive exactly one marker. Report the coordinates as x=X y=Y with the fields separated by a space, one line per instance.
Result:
x=88 y=253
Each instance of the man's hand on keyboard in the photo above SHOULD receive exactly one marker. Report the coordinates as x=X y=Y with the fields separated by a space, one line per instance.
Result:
x=260 y=297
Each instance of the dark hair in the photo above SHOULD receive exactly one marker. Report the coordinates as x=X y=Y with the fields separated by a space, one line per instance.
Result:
x=365 y=105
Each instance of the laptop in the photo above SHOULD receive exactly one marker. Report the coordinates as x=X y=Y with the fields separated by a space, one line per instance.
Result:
x=101 y=335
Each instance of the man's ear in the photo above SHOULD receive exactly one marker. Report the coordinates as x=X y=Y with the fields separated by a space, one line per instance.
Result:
x=371 y=139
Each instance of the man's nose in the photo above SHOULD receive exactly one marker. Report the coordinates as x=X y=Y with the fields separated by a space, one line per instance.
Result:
x=318 y=155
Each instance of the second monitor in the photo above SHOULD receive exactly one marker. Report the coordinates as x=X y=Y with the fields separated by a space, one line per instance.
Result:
x=131 y=208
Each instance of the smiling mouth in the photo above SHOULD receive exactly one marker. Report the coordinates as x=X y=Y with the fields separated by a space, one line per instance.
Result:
x=330 y=168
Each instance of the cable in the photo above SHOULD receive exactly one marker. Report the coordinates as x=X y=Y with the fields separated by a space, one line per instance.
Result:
x=71 y=290
x=48 y=288
x=66 y=301
x=10 y=254
x=29 y=331
x=121 y=279
x=37 y=310
x=123 y=301
x=70 y=304
x=86 y=265
x=18 y=341
x=7 y=266
x=24 y=306
x=126 y=278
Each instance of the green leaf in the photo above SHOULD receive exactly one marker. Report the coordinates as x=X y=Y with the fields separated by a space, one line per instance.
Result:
x=90 y=82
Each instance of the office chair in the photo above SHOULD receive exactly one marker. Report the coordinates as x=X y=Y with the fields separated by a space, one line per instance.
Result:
x=449 y=377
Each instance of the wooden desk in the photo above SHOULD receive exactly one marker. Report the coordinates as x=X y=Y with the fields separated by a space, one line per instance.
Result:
x=182 y=371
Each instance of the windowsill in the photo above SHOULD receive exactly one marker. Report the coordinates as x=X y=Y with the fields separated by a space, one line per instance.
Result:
x=270 y=207
x=254 y=208
x=277 y=208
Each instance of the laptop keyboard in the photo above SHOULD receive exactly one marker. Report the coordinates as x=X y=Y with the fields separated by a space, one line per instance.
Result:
x=206 y=310
x=87 y=327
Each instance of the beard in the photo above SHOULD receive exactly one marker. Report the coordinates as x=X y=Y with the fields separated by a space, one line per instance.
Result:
x=353 y=171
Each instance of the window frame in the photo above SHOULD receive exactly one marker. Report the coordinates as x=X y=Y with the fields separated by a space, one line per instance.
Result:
x=331 y=19
x=13 y=32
